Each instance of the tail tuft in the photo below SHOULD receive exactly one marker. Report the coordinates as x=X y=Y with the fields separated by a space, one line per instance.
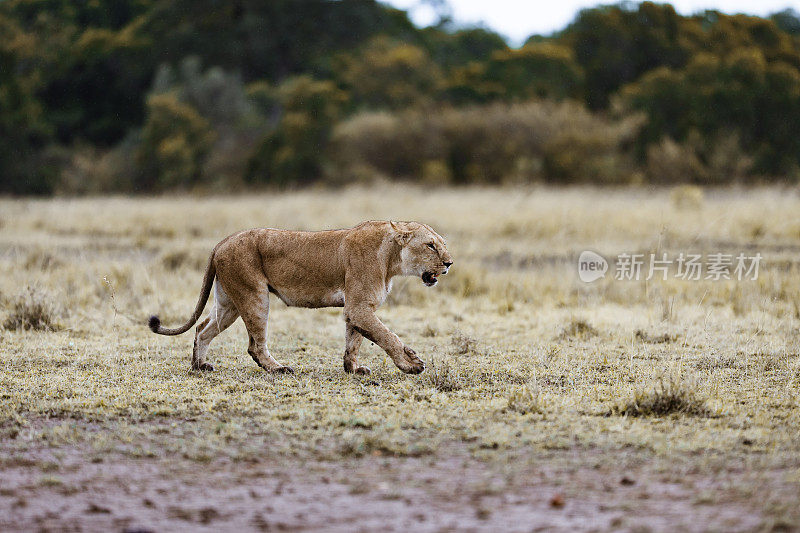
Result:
x=154 y=323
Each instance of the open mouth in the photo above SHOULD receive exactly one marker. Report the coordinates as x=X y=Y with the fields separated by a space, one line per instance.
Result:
x=429 y=278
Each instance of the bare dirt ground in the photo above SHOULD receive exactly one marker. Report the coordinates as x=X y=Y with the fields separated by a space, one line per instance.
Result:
x=71 y=488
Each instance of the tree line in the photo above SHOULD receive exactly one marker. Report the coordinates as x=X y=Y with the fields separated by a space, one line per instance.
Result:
x=156 y=95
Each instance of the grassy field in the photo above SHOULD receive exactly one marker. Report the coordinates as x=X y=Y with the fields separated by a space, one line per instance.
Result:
x=547 y=402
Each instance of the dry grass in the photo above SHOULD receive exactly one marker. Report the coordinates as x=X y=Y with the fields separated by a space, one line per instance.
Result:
x=511 y=308
x=579 y=329
x=33 y=309
x=525 y=400
x=445 y=376
x=672 y=395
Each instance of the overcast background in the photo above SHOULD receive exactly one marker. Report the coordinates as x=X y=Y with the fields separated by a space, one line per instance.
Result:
x=519 y=19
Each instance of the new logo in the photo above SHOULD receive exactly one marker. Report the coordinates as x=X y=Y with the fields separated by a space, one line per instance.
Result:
x=591 y=266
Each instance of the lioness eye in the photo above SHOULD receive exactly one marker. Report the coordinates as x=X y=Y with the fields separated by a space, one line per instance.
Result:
x=431 y=246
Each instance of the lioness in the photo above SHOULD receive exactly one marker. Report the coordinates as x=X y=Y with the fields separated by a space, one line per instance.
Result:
x=350 y=268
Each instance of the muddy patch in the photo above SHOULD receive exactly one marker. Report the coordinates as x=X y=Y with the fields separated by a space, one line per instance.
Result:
x=71 y=488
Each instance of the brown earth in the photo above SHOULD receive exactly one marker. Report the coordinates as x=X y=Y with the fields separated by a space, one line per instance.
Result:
x=70 y=488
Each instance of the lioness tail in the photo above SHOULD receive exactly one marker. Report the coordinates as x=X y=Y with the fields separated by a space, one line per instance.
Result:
x=208 y=281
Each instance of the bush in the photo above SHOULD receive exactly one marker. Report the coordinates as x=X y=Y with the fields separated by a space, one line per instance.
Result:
x=698 y=160
x=688 y=197
x=23 y=129
x=743 y=101
x=176 y=259
x=578 y=329
x=218 y=96
x=670 y=162
x=496 y=143
x=444 y=376
x=237 y=115
x=525 y=400
x=464 y=344
x=33 y=309
x=675 y=394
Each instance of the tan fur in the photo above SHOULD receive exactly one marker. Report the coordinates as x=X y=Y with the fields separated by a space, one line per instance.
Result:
x=350 y=268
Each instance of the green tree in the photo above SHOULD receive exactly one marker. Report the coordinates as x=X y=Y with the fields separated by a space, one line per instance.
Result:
x=96 y=91
x=23 y=129
x=294 y=153
x=788 y=21
x=92 y=70
x=267 y=40
x=740 y=94
x=174 y=143
x=387 y=74
x=537 y=70
x=452 y=49
x=616 y=44
x=725 y=34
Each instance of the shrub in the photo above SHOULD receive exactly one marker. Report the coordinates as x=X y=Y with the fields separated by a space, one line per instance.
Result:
x=675 y=394
x=670 y=162
x=721 y=95
x=525 y=400
x=587 y=156
x=699 y=160
x=394 y=145
x=463 y=343
x=726 y=160
x=689 y=197
x=578 y=329
x=217 y=95
x=42 y=259
x=444 y=376
x=32 y=309
x=176 y=259
x=495 y=143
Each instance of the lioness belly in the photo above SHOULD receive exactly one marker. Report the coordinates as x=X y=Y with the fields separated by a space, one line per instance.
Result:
x=293 y=298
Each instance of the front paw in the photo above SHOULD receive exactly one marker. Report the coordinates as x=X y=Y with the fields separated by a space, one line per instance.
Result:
x=362 y=370
x=413 y=364
x=412 y=357
x=417 y=367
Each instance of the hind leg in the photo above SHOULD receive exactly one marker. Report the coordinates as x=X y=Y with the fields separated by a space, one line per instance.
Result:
x=222 y=315
x=240 y=272
x=256 y=319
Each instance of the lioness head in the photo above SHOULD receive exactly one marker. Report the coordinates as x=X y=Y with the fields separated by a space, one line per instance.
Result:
x=423 y=251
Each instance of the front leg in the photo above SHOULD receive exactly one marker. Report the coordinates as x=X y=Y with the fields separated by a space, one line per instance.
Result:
x=362 y=319
x=352 y=343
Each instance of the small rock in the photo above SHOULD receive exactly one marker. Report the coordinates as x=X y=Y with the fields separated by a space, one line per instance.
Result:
x=96 y=509
x=557 y=501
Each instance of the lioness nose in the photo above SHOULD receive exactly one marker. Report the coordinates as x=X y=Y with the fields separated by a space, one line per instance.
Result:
x=448 y=263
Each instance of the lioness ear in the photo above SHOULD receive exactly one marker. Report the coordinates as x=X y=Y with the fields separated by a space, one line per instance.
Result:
x=401 y=236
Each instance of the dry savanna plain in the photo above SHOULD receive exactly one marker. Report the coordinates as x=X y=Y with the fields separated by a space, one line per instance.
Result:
x=547 y=403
